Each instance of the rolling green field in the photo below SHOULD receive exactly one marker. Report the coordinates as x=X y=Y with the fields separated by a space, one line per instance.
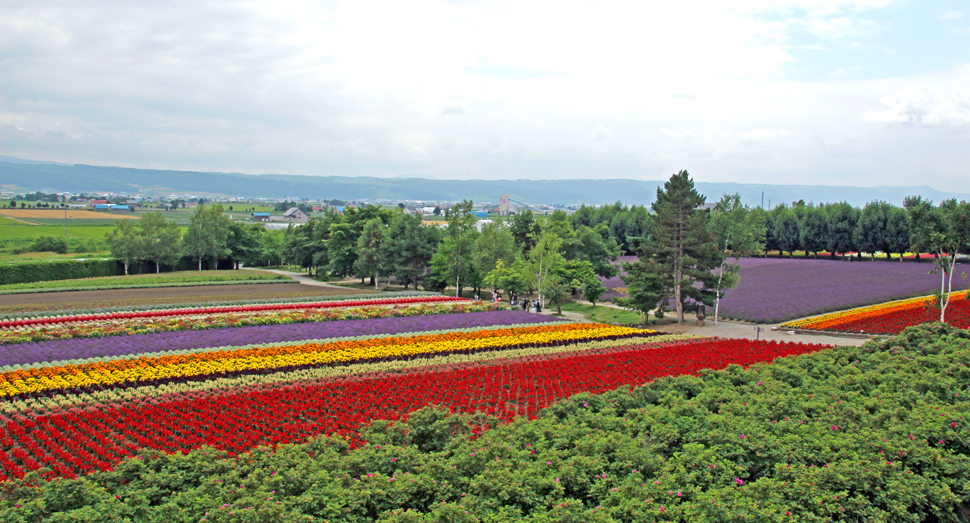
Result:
x=144 y=280
x=20 y=230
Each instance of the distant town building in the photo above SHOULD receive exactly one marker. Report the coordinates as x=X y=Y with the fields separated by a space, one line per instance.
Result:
x=479 y=214
x=260 y=217
x=481 y=223
x=295 y=215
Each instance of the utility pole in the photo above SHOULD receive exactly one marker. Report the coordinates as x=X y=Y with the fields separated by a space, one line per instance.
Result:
x=65 y=219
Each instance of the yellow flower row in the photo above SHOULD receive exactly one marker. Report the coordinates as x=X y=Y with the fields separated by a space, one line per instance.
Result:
x=147 y=394
x=224 y=362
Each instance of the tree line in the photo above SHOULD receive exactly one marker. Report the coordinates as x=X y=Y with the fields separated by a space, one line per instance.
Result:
x=683 y=248
x=683 y=257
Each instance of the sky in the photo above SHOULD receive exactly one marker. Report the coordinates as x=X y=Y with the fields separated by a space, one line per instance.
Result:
x=819 y=92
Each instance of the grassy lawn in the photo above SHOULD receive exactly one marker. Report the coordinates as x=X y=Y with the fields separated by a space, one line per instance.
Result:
x=141 y=280
x=602 y=314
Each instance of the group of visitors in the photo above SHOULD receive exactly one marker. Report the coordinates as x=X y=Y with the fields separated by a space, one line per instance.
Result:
x=526 y=304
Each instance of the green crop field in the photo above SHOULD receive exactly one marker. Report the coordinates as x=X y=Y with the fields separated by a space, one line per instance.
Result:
x=36 y=231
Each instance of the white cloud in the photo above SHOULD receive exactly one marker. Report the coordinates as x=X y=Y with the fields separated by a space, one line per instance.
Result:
x=600 y=132
x=488 y=89
x=911 y=105
x=762 y=135
x=951 y=15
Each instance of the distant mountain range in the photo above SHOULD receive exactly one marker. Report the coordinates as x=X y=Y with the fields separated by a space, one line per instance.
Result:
x=79 y=178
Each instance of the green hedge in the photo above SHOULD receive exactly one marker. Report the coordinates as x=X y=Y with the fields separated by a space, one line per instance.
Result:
x=42 y=270
x=48 y=270
x=878 y=433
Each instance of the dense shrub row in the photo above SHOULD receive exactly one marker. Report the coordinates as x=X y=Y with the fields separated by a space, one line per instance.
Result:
x=877 y=433
x=48 y=270
x=43 y=270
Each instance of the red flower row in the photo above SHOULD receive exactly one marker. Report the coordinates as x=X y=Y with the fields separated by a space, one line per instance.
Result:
x=223 y=310
x=78 y=442
x=893 y=322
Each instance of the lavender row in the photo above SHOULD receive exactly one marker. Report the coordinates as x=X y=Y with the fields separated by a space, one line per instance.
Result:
x=56 y=350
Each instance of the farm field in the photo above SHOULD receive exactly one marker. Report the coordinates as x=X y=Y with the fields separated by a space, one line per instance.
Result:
x=22 y=230
x=146 y=280
x=775 y=290
x=29 y=214
x=93 y=299
x=76 y=405
x=421 y=404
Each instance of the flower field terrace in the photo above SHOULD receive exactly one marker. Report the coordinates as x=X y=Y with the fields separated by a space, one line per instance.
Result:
x=889 y=318
x=775 y=290
x=240 y=419
x=240 y=376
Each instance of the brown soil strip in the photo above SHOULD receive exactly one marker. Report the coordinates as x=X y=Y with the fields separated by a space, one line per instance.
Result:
x=66 y=300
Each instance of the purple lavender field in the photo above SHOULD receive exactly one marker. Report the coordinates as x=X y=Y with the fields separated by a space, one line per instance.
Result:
x=774 y=290
x=57 y=350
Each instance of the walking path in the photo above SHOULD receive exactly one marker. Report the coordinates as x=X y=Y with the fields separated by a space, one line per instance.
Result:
x=302 y=278
x=729 y=329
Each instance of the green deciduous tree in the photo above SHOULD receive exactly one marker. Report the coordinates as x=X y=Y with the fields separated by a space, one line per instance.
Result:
x=897 y=232
x=815 y=230
x=342 y=249
x=842 y=223
x=736 y=230
x=871 y=232
x=160 y=239
x=786 y=231
x=453 y=259
x=544 y=259
x=525 y=229
x=126 y=243
x=495 y=243
x=207 y=234
x=945 y=232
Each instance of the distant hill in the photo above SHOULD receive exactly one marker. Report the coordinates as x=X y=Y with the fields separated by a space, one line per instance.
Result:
x=78 y=178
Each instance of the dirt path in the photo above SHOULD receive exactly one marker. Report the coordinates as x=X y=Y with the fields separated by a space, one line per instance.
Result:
x=729 y=329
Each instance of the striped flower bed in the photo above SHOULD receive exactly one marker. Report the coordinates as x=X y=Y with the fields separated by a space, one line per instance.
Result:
x=74 y=318
x=889 y=318
x=77 y=404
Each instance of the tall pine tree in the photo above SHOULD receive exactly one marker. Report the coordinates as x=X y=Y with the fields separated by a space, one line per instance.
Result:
x=678 y=252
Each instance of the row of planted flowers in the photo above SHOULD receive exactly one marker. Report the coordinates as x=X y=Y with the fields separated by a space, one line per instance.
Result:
x=11 y=316
x=58 y=402
x=238 y=419
x=248 y=359
x=220 y=320
x=73 y=318
x=889 y=318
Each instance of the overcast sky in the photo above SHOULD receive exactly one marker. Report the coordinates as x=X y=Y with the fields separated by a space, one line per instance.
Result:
x=870 y=92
